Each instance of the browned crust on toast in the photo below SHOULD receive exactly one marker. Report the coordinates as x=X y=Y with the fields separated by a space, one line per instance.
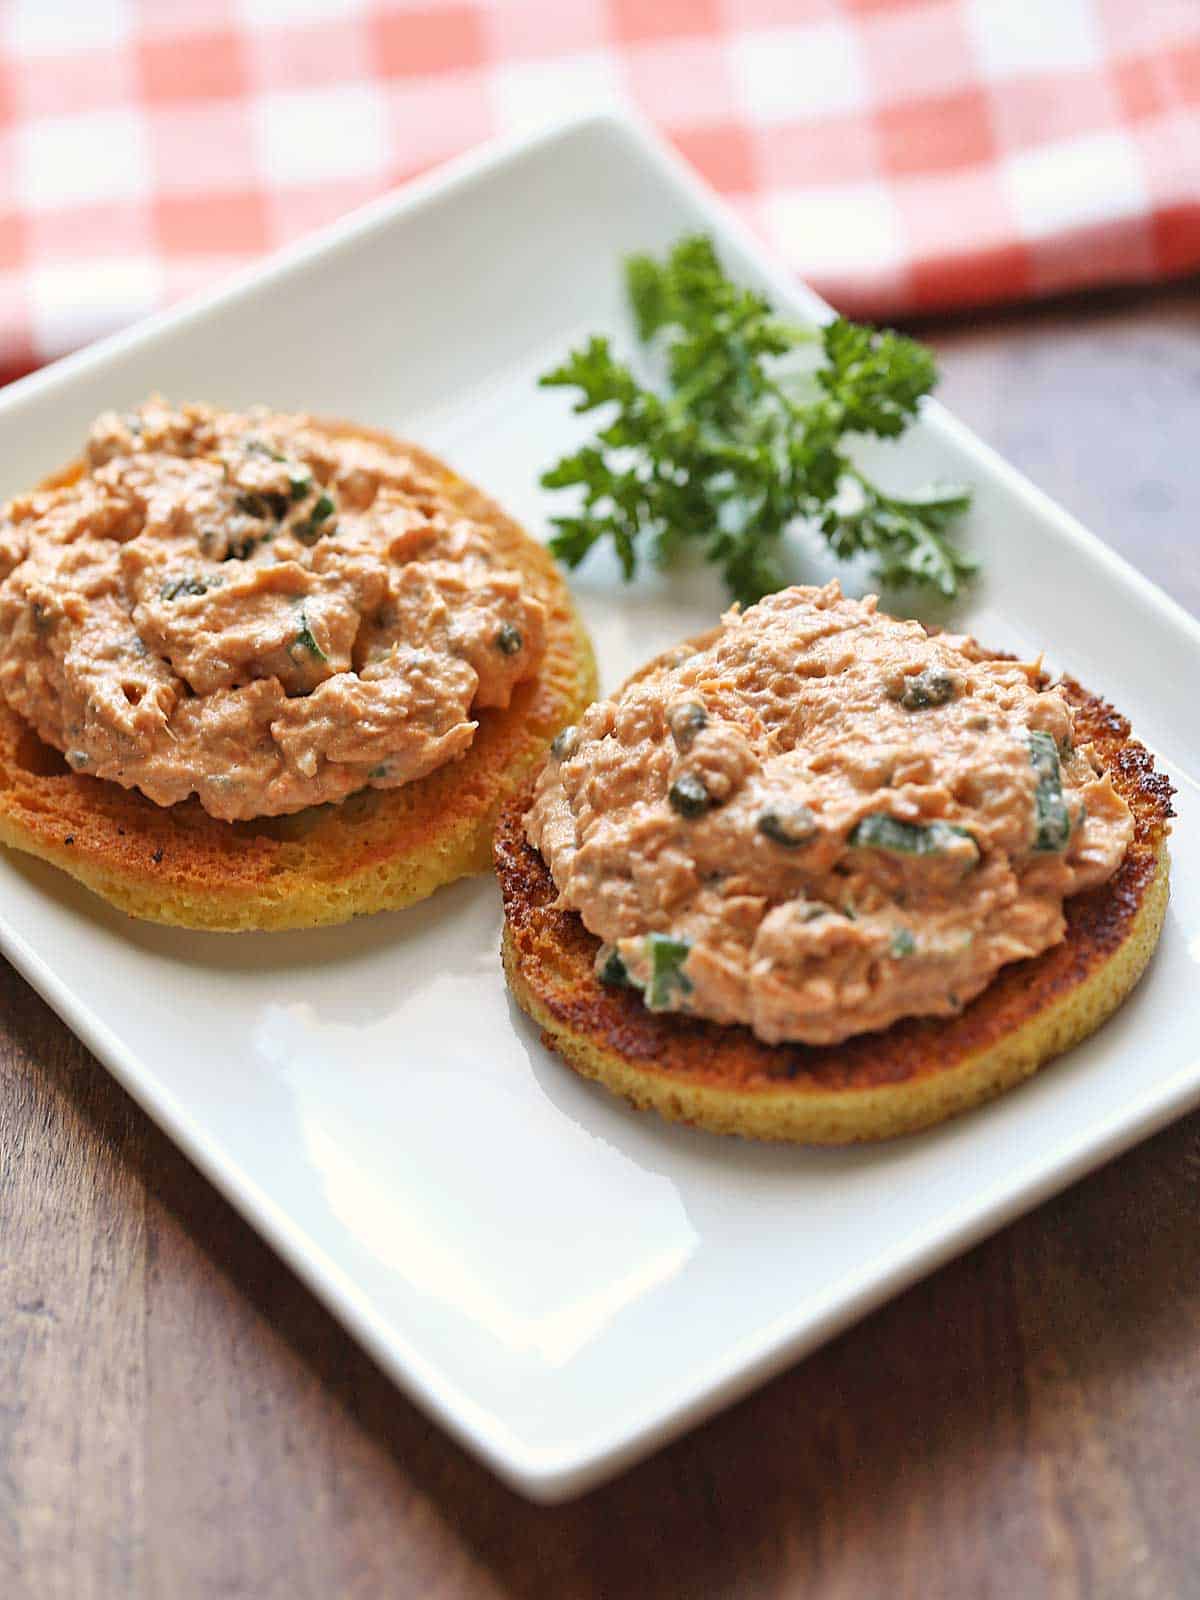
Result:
x=377 y=850
x=871 y=1086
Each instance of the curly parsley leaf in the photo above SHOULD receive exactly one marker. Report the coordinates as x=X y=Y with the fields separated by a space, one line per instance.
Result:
x=737 y=446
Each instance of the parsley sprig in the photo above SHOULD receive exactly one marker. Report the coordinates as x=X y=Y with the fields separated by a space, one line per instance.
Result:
x=738 y=443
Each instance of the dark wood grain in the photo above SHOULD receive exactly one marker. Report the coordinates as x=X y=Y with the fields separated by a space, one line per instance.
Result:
x=178 y=1416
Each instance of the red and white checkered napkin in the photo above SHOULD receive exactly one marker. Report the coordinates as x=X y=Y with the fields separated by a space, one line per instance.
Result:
x=901 y=154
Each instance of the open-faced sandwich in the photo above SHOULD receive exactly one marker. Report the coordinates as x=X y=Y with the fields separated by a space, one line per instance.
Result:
x=823 y=875
x=264 y=671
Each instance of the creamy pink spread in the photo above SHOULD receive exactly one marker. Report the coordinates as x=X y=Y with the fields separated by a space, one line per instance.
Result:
x=244 y=607
x=824 y=819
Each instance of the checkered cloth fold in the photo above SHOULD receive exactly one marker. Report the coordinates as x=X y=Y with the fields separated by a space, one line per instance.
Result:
x=901 y=155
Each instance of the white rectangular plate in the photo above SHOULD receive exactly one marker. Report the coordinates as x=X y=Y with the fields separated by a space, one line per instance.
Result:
x=562 y=1283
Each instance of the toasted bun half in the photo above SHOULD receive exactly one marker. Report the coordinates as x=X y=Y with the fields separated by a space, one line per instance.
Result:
x=376 y=851
x=915 y=1073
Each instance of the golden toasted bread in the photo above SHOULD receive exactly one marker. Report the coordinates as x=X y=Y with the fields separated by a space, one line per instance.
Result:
x=871 y=1086
x=377 y=850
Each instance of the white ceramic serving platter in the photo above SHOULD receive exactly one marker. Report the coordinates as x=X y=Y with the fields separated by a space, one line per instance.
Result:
x=563 y=1283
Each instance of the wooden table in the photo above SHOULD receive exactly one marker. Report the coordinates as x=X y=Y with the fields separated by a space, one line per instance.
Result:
x=179 y=1418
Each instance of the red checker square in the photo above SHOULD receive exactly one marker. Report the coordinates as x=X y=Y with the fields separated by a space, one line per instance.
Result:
x=636 y=20
x=917 y=51
x=838 y=149
x=982 y=275
x=18 y=353
x=724 y=155
x=1142 y=87
x=8 y=89
x=70 y=85
x=1112 y=252
x=234 y=223
x=8 y=163
x=82 y=233
x=197 y=66
x=684 y=84
x=14 y=249
x=17 y=356
x=310 y=57
x=936 y=135
x=1175 y=237
x=520 y=31
x=1052 y=106
x=874 y=8
x=411 y=43
x=1185 y=70
x=14 y=317
x=429 y=121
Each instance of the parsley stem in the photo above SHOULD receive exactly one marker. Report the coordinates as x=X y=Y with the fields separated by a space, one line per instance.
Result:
x=735 y=447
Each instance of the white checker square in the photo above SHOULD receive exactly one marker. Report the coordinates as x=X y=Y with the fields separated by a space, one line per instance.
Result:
x=1075 y=183
x=526 y=94
x=82 y=160
x=315 y=135
x=837 y=231
x=790 y=74
x=1017 y=37
x=59 y=27
x=69 y=308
